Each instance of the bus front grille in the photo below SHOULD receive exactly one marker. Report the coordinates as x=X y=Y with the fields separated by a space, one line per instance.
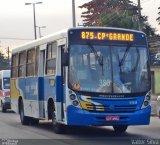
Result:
x=113 y=108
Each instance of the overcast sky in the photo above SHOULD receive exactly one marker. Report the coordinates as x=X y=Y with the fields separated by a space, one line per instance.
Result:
x=16 y=18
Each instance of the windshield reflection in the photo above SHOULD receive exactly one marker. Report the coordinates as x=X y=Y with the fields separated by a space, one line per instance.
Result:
x=122 y=71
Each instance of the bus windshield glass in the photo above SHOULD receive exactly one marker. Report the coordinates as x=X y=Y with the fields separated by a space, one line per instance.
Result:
x=123 y=69
x=6 y=83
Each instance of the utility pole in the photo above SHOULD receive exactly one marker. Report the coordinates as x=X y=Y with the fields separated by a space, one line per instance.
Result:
x=8 y=53
x=139 y=15
x=73 y=13
x=34 y=16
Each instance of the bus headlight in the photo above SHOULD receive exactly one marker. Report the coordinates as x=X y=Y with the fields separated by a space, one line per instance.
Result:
x=72 y=97
x=146 y=103
x=148 y=97
x=75 y=103
x=147 y=100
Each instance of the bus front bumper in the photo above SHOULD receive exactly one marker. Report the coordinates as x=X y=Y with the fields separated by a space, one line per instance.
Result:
x=77 y=116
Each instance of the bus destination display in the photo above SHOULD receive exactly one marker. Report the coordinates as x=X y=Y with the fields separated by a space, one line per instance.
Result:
x=111 y=36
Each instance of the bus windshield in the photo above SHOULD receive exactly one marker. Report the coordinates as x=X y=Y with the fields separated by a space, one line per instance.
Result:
x=123 y=69
x=6 y=83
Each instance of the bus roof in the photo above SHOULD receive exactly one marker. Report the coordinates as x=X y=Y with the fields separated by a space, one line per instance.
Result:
x=63 y=34
x=40 y=41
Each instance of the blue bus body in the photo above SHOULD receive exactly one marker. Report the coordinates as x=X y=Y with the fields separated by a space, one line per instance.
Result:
x=75 y=105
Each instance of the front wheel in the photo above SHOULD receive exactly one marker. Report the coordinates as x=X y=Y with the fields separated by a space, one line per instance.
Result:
x=24 y=119
x=57 y=127
x=120 y=128
x=34 y=121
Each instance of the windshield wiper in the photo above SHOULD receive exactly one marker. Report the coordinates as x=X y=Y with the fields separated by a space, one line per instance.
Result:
x=99 y=58
x=125 y=54
x=137 y=61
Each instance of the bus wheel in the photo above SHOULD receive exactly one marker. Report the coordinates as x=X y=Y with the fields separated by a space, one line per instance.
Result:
x=3 y=108
x=24 y=119
x=57 y=127
x=34 y=121
x=120 y=128
x=159 y=114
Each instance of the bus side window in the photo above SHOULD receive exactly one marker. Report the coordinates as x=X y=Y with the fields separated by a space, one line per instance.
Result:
x=22 y=64
x=51 y=58
x=31 y=62
x=14 y=66
x=37 y=61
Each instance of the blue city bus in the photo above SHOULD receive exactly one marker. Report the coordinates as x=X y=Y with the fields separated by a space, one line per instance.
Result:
x=83 y=77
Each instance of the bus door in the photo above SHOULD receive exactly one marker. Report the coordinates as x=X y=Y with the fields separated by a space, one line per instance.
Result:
x=41 y=72
x=60 y=80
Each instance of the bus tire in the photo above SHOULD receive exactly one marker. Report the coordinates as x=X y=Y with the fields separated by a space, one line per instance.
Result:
x=24 y=119
x=159 y=114
x=57 y=127
x=34 y=121
x=120 y=128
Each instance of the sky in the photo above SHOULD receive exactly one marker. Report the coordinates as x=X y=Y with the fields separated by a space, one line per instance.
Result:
x=16 y=18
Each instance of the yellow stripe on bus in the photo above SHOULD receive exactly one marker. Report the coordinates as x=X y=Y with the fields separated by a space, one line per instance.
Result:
x=14 y=91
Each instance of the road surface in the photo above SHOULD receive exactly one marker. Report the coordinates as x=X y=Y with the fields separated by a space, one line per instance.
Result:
x=13 y=133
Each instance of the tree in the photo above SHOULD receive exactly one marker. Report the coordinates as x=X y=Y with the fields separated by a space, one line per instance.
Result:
x=114 y=13
x=158 y=19
x=147 y=28
x=97 y=8
x=4 y=64
x=124 y=20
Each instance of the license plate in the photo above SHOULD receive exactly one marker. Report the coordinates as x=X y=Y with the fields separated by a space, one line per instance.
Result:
x=112 y=118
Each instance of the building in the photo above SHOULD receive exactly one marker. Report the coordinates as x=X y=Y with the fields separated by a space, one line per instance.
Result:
x=154 y=45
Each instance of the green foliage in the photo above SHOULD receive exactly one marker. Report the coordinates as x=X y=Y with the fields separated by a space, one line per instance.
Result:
x=4 y=64
x=120 y=20
x=158 y=19
x=115 y=13
x=97 y=8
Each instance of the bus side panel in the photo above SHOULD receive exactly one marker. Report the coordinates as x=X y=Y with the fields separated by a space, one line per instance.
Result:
x=31 y=103
x=49 y=91
x=17 y=90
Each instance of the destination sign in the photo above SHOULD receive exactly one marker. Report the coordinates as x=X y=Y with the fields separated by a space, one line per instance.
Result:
x=111 y=36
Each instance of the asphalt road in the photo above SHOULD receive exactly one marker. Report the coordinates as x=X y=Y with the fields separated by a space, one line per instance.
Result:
x=13 y=133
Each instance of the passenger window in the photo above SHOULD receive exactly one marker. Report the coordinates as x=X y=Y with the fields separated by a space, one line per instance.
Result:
x=22 y=64
x=31 y=62
x=37 y=61
x=51 y=59
x=14 y=66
